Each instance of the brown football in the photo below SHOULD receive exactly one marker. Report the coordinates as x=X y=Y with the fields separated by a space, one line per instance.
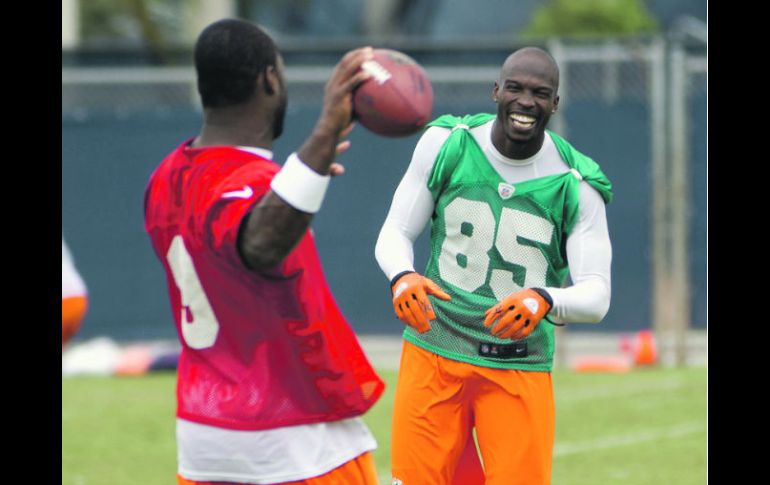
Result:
x=397 y=100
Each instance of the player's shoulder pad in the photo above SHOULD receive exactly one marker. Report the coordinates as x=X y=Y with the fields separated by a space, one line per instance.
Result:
x=590 y=170
x=454 y=146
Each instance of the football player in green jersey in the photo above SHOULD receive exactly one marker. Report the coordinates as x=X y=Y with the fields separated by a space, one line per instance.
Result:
x=514 y=209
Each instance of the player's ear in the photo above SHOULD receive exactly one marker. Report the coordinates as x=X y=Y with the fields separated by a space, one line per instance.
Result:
x=495 y=91
x=555 y=104
x=270 y=80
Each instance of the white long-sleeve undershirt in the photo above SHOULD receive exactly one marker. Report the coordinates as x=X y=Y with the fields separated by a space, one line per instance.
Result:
x=589 y=252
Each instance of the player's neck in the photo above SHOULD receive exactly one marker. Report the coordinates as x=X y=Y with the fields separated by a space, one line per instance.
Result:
x=517 y=150
x=225 y=127
x=522 y=150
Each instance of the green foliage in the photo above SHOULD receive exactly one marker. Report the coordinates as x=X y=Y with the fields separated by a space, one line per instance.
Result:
x=591 y=18
x=151 y=23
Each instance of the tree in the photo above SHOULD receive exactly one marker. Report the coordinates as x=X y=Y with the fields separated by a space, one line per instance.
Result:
x=591 y=18
x=155 y=26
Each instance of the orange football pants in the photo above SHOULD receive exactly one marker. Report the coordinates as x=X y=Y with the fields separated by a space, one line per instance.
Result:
x=358 y=471
x=73 y=309
x=438 y=403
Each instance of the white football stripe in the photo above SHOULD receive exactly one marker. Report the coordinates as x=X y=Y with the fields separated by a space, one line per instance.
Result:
x=676 y=431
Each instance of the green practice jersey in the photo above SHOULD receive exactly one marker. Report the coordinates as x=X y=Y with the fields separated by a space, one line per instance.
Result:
x=489 y=239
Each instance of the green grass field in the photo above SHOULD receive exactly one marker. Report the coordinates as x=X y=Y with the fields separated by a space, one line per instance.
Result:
x=640 y=428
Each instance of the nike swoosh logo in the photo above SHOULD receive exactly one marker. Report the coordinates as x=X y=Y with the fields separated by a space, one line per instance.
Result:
x=400 y=289
x=245 y=193
x=531 y=304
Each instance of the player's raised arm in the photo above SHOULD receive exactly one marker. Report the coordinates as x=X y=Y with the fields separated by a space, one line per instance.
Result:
x=280 y=219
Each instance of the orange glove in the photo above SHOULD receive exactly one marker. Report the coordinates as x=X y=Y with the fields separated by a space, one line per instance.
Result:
x=410 y=299
x=519 y=313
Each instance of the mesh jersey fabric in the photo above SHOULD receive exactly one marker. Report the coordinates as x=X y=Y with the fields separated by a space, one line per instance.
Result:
x=490 y=238
x=259 y=351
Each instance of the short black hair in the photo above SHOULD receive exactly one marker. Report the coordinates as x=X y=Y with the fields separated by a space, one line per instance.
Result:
x=229 y=55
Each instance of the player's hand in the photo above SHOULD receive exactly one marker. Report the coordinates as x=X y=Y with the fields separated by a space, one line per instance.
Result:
x=410 y=300
x=337 y=108
x=320 y=149
x=337 y=169
x=518 y=313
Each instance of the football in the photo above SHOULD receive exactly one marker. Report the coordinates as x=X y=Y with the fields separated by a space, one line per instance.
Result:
x=397 y=100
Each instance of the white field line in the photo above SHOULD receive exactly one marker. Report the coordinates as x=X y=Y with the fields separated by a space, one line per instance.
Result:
x=585 y=394
x=573 y=448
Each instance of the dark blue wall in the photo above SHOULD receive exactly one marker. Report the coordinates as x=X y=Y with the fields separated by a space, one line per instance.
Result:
x=106 y=162
x=617 y=137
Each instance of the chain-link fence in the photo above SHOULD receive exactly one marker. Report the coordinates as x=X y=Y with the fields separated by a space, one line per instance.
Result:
x=615 y=106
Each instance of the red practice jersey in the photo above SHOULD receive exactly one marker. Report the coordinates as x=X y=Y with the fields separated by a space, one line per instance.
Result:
x=259 y=351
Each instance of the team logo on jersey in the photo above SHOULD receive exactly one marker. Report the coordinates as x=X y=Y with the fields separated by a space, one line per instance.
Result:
x=505 y=190
x=396 y=481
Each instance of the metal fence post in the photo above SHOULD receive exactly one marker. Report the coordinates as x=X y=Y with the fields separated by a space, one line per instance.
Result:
x=661 y=281
x=680 y=204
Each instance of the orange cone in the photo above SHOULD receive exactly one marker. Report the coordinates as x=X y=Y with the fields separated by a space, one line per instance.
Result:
x=601 y=363
x=134 y=361
x=645 y=352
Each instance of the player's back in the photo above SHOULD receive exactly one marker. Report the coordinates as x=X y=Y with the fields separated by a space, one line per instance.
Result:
x=219 y=307
x=255 y=346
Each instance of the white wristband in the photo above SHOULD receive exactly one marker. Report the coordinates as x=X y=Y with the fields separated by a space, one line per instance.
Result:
x=299 y=185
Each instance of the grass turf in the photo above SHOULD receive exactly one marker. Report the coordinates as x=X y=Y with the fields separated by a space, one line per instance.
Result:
x=639 y=428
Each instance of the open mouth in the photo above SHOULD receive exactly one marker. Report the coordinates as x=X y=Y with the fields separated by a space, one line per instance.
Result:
x=522 y=122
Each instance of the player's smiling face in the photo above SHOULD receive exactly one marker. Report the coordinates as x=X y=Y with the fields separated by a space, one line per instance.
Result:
x=526 y=98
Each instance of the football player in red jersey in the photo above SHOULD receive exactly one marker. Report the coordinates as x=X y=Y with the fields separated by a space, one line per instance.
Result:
x=271 y=380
